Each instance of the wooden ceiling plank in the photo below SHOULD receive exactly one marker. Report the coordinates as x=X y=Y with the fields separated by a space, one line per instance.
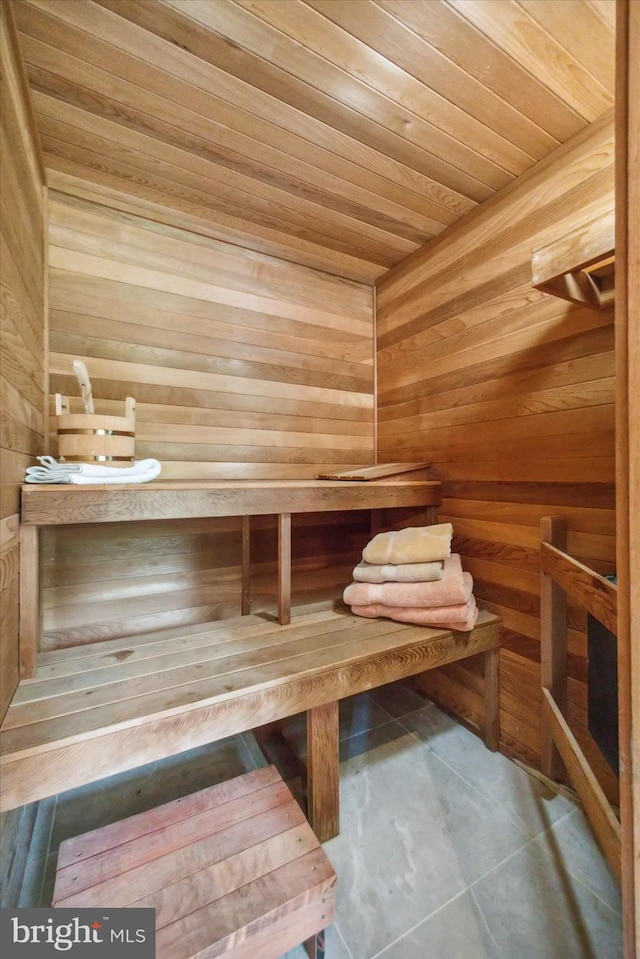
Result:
x=187 y=172
x=457 y=39
x=191 y=22
x=411 y=52
x=58 y=62
x=311 y=83
x=606 y=10
x=346 y=52
x=130 y=51
x=351 y=220
x=317 y=105
x=593 y=45
x=112 y=191
x=345 y=198
x=135 y=175
x=508 y=25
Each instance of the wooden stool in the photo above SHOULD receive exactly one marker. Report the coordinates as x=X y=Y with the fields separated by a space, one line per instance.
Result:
x=232 y=870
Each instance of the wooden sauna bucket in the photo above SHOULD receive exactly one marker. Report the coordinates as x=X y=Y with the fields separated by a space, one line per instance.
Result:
x=94 y=437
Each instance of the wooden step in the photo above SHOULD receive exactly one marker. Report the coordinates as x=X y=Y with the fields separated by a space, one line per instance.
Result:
x=233 y=870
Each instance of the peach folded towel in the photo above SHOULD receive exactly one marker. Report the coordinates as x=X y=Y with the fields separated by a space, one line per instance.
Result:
x=454 y=588
x=416 y=544
x=462 y=617
x=401 y=573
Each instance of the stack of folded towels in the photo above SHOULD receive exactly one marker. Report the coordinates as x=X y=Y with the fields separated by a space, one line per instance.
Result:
x=412 y=576
x=88 y=474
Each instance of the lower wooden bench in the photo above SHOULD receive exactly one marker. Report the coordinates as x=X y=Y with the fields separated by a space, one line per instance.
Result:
x=93 y=711
x=232 y=870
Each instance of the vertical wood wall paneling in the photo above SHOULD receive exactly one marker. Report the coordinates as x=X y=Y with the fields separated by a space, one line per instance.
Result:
x=628 y=459
x=22 y=329
x=242 y=366
x=509 y=392
x=21 y=387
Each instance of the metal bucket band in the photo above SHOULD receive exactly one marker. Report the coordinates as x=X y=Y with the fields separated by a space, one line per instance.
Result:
x=97 y=459
x=81 y=432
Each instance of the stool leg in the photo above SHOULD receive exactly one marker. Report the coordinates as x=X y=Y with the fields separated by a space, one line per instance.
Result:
x=323 y=787
x=491 y=700
x=315 y=945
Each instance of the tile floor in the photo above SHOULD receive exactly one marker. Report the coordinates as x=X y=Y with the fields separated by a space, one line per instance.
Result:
x=446 y=851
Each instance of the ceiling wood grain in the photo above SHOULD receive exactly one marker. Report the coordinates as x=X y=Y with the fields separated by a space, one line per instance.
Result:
x=341 y=134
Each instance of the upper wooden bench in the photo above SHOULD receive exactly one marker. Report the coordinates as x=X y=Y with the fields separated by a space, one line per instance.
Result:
x=86 y=712
x=63 y=505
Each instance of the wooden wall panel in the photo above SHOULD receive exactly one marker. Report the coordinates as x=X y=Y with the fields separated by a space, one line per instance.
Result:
x=242 y=366
x=509 y=392
x=22 y=389
x=23 y=331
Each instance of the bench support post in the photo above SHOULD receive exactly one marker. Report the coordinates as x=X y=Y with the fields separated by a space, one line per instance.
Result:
x=491 y=699
x=246 y=565
x=29 y=599
x=323 y=803
x=284 y=568
x=315 y=946
x=553 y=644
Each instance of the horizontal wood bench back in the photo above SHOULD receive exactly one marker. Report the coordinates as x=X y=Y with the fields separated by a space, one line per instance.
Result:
x=97 y=710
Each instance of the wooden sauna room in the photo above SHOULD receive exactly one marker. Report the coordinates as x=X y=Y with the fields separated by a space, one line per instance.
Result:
x=361 y=266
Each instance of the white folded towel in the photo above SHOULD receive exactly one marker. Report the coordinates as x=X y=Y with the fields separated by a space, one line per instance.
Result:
x=85 y=474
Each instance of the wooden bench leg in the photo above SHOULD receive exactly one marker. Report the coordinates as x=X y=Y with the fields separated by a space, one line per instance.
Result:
x=30 y=603
x=284 y=568
x=323 y=761
x=315 y=946
x=246 y=565
x=491 y=699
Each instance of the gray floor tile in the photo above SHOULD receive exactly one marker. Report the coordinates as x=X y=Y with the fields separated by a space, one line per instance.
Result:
x=370 y=739
x=457 y=931
x=435 y=858
x=357 y=714
x=572 y=843
x=535 y=909
x=523 y=797
x=399 y=698
x=413 y=835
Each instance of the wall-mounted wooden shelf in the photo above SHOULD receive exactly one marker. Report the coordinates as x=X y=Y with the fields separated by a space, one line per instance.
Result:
x=579 y=266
